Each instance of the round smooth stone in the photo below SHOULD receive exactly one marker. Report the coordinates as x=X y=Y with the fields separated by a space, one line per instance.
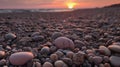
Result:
x=47 y=64
x=45 y=50
x=37 y=64
x=70 y=54
x=20 y=58
x=54 y=57
x=64 y=43
x=107 y=65
x=115 y=61
x=2 y=54
x=105 y=50
x=60 y=63
x=115 y=48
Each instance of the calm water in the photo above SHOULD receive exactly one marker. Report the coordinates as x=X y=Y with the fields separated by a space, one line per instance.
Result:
x=33 y=10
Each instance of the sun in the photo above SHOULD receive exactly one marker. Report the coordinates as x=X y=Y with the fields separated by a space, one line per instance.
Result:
x=71 y=5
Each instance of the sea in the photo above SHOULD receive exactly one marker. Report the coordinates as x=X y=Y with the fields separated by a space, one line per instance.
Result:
x=33 y=10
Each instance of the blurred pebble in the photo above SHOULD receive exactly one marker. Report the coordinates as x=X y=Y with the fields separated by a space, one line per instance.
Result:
x=47 y=64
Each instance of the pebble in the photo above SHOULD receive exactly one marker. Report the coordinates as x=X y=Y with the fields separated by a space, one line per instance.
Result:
x=35 y=34
x=73 y=36
x=95 y=66
x=56 y=35
x=2 y=54
x=24 y=40
x=53 y=49
x=88 y=37
x=5 y=66
x=97 y=60
x=1 y=47
x=88 y=51
x=115 y=61
x=38 y=38
x=70 y=54
x=45 y=50
x=76 y=50
x=59 y=53
x=101 y=65
x=115 y=48
x=78 y=58
x=106 y=59
x=116 y=43
x=64 y=43
x=60 y=63
x=68 y=61
x=20 y=58
x=104 y=50
x=8 y=48
x=37 y=64
x=54 y=57
x=2 y=62
x=48 y=44
x=79 y=44
x=10 y=36
x=47 y=64
x=107 y=65
x=87 y=64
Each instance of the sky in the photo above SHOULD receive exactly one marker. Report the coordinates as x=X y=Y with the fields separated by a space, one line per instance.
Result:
x=30 y=4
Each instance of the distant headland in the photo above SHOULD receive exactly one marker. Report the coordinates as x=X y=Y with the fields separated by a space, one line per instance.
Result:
x=113 y=5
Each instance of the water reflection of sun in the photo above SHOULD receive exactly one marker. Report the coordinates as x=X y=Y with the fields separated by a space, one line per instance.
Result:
x=71 y=5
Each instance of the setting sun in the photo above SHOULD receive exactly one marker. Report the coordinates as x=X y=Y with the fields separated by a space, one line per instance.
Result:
x=71 y=5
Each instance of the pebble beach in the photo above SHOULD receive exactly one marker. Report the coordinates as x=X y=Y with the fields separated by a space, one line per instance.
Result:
x=79 y=38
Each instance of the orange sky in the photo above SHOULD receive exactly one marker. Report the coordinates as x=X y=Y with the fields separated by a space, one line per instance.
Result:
x=54 y=3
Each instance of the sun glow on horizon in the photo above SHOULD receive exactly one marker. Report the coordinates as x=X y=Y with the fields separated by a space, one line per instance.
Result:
x=71 y=5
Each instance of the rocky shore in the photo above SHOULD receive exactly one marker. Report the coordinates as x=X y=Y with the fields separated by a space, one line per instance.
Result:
x=81 y=38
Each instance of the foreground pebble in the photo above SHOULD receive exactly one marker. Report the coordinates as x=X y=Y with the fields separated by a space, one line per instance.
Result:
x=115 y=48
x=20 y=58
x=115 y=61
